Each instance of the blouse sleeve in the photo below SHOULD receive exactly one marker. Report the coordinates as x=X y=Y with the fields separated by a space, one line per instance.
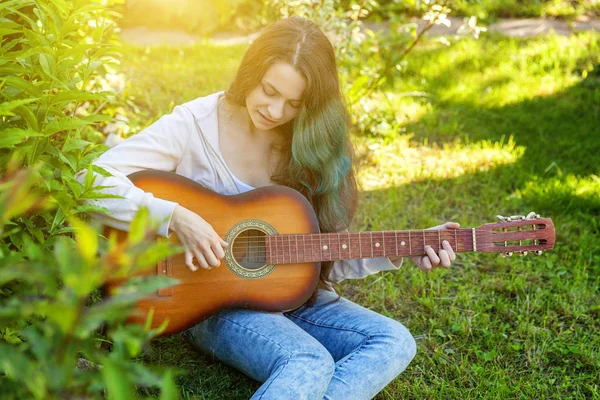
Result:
x=160 y=147
x=360 y=268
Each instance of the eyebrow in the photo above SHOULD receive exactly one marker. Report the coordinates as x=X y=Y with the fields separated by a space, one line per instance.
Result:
x=273 y=87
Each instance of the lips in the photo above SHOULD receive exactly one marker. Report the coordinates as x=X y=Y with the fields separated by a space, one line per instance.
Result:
x=266 y=119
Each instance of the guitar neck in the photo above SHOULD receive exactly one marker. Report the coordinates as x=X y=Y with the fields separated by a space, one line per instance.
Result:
x=299 y=248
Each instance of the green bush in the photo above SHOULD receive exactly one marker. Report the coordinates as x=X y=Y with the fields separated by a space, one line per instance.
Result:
x=52 y=59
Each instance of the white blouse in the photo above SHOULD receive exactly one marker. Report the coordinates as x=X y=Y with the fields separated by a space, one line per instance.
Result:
x=185 y=142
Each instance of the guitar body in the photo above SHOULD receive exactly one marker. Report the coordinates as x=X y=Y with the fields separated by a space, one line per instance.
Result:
x=243 y=279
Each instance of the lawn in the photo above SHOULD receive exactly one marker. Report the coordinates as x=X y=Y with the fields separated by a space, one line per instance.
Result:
x=508 y=126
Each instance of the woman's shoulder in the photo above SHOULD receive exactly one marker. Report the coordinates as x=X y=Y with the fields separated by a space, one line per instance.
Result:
x=203 y=106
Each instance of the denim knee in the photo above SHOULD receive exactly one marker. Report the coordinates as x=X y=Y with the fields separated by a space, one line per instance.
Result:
x=303 y=374
x=400 y=346
x=317 y=363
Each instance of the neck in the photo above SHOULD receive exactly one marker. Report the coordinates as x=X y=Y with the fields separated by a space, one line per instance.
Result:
x=289 y=249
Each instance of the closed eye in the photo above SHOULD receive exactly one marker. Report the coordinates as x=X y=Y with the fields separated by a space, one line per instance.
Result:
x=267 y=92
x=272 y=94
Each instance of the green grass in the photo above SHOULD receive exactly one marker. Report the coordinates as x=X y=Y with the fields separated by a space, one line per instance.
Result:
x=509 y=126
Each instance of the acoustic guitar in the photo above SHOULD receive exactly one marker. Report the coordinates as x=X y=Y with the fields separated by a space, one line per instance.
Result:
x=275 y=249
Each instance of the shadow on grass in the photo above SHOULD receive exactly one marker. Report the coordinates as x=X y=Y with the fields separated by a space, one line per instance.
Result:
x=560 y=132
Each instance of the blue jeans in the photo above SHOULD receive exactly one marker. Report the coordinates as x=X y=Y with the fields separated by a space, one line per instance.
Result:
x=333 y=350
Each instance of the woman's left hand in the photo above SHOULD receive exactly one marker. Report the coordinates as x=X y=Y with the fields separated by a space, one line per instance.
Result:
x=444 y=257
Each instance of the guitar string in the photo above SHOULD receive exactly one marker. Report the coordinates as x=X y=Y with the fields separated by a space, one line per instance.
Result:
x=469 y=233
x=416 y=243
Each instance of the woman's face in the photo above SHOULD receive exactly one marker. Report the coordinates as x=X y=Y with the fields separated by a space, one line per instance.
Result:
x=277 y=98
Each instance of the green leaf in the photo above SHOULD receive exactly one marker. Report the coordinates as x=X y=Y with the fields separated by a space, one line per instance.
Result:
x=87 y=239
x=28 y=116
x=65 y=124
x=169 y=389
x=20 y=3
x=75 y=95
x=38 y=148
x=89 y=178
x=23 y=85
x=14 y=136
x=73 y=142
x=117 y=385
x=48 y=64
x=7 y=107
x=4 y=32
x=138 y=226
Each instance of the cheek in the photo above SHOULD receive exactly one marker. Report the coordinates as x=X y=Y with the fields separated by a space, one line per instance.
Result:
x=293 y=113
x=254 y=100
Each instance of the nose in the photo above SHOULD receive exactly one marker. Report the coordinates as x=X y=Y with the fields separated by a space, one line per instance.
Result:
x=276 y=111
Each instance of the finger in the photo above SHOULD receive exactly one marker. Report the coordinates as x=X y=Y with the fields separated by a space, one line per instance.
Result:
x=449 y=249
x=201 y=259
x=189 y=261
x=435 y=260
x=217 y=248
x=444 y=258
x=452 y=225
x=425 y=264
x=211 y=258
x=417 y=260
x=223 y=243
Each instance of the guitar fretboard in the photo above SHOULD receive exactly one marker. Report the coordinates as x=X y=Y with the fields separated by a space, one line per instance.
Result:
x=301 y=248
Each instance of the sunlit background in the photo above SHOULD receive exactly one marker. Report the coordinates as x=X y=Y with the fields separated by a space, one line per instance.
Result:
x=461 y=111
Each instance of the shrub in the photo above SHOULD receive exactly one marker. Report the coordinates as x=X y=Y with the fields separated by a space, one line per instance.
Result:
x=52 y=59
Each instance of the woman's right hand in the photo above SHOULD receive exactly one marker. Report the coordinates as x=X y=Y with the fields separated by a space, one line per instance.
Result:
x=199 y=239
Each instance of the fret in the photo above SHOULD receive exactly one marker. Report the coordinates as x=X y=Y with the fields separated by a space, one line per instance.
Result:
x=286 y=250
x=304 y=248
x=275 y=237
x=383 y=234
x=424 y=240
x=439 y=240
x=296 y=236
x=396 y=235
x=339 y=246
x=409 y=245
x=371 y=235
x=329 y=245
x=280 y=251
x=320 y=247
x=276 y=255
x=349 y=246
x=455 y=241
x=360 y=245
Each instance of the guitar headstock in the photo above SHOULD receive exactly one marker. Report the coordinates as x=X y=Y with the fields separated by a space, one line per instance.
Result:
x=516 y=234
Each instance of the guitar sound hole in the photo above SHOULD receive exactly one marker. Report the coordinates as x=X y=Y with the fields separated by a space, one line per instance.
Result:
x=249 y=249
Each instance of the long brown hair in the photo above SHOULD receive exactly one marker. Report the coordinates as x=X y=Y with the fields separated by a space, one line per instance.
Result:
x=317 y=154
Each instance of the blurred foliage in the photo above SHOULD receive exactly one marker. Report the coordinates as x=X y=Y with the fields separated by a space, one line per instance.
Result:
x=205 y=17
x=52 y=99
x=202 y=17
x=489 y=10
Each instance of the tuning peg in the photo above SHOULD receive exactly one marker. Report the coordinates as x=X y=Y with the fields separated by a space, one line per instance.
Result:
x=533 y=215
x=538 y=252
x=523 y=253
x=506 y=254
x=501 y=218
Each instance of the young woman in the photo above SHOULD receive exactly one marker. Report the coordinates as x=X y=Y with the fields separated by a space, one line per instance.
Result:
x=282 y=121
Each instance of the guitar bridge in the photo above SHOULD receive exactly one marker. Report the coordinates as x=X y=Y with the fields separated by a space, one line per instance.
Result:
x=164 y=268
